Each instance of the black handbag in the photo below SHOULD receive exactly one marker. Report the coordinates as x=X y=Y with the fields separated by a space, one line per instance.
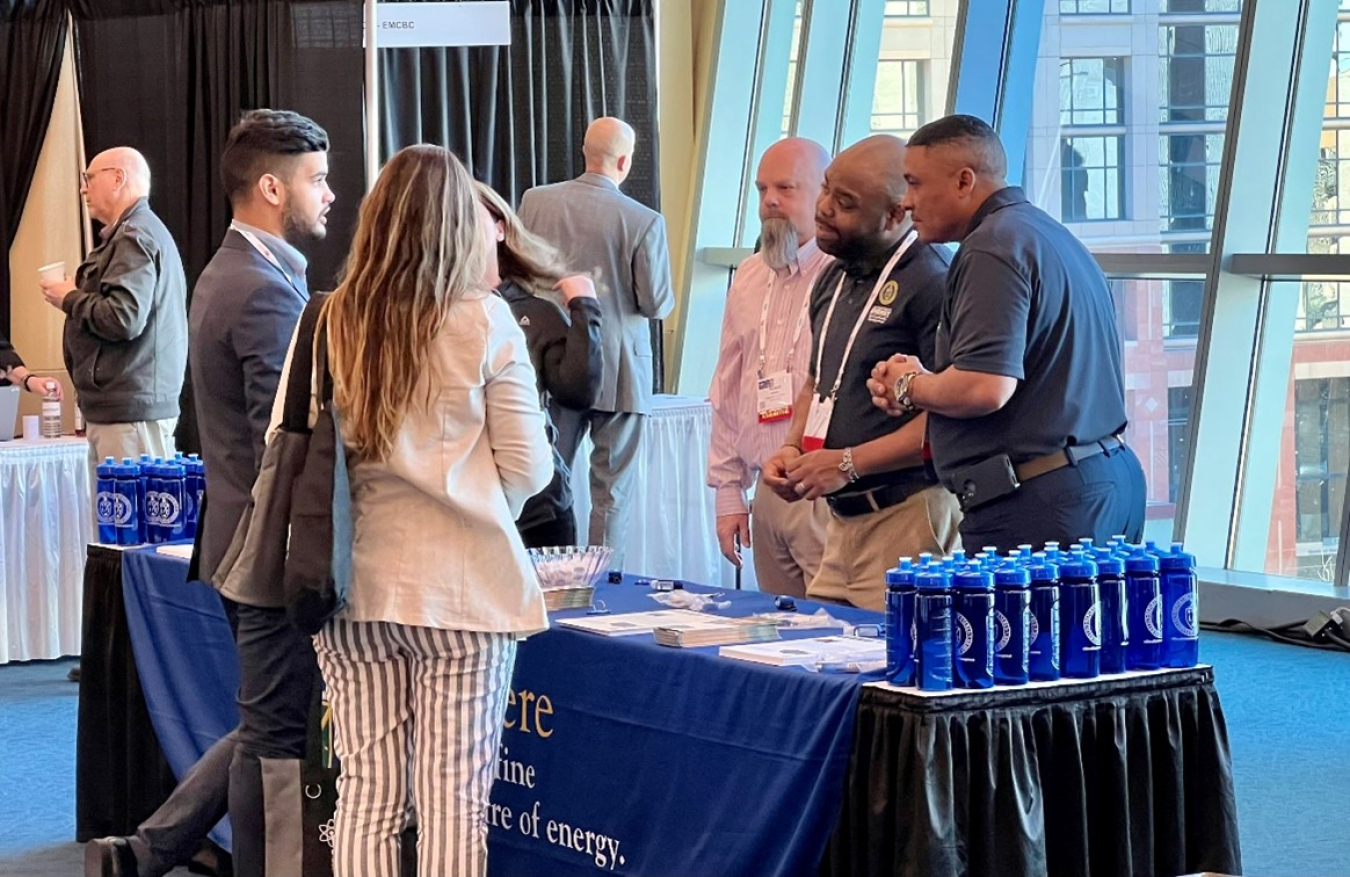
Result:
x=292 y=547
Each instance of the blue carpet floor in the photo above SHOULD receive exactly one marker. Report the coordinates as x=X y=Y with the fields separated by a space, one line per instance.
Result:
x=1288 y=712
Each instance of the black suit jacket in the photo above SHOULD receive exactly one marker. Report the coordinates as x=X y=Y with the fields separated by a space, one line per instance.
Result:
x=244 y=312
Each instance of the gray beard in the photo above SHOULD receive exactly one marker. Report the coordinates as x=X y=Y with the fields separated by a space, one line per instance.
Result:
x=778 y=243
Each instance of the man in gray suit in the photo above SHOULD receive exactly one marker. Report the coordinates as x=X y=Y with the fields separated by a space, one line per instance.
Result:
x=622 y=244
x=244 y=310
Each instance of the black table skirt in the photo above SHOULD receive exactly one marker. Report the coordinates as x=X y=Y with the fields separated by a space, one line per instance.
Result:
x=1128 y=778
x=120 y=772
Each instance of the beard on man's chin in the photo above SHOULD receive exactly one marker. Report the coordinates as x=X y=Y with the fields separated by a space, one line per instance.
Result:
x=778 y=242
x=298 y=232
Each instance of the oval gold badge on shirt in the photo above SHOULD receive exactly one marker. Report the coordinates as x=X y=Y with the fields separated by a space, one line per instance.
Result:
x=889 y=292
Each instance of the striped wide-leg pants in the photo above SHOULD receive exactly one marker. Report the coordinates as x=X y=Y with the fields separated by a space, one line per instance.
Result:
x=422 y=704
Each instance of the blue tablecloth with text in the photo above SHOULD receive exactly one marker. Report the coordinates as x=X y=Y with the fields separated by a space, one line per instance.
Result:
x=618 y=755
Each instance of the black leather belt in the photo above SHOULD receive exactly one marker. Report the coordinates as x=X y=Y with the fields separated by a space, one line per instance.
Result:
x=1070 y=456
x=865 y=502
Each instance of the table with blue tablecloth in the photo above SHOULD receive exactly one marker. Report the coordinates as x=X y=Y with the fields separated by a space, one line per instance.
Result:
x=628 y=757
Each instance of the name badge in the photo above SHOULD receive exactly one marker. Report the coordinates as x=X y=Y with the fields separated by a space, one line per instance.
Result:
x=878 y=314
x=774 y=397
x=817 y=423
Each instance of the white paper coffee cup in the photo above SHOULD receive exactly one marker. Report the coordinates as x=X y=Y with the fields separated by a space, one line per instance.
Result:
x=54 y=271
x=32 y=427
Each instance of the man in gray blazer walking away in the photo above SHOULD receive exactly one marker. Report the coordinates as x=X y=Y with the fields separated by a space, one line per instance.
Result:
x=622 y=244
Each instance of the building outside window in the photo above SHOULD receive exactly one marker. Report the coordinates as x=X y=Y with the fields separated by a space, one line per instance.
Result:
x=907 y=8
x=1094 y=7
x=897 y=104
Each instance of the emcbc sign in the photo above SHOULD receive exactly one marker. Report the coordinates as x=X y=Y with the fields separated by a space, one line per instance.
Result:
x=463 y=23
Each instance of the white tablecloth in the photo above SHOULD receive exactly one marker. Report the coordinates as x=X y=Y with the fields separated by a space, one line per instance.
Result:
x=46 y=519
x=672 y=533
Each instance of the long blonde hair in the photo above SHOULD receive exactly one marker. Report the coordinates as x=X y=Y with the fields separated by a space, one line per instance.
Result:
x=523 y=257
x=418 y=247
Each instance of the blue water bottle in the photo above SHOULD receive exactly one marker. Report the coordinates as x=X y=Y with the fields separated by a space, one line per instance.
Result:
x=151 y=478
x=1080 y=617
x=1114 y=612
x=973 y=628
x=1181 y=609
x=105 y=502
x=142 y=482
x=933 y=629
x=1043 y=655
x=1145 y=611
x=900 y=623
x=1012 y=625
x=192 y=508
x=172 y=501
x=126 y=502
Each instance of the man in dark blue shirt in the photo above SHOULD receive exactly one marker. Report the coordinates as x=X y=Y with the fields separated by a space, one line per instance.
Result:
x=1026 y=399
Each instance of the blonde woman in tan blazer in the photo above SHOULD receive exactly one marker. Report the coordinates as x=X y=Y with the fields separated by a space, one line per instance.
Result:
x=445 y=442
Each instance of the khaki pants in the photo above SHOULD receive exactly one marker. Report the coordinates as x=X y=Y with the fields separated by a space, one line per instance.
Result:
x=859 y=549
x=118 y=440
x=787 y=539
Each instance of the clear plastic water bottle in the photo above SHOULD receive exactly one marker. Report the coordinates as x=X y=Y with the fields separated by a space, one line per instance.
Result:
x=51 y=416
x=973 y=627
x=1080 y=617
x=900 y=634
x=1043 y=656
x=1114 y=611
x=105 y=501
x=1145 y=614
x=1012 y=624
x=1181 y=608
x=933 y=623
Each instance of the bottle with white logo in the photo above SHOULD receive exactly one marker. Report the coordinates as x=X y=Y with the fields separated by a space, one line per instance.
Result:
x=1145 y=612
x=1115 y=610
x=1080 y=617
x=973 y=627
x=1012 y=624
x=1043 y=655
x=1181 y=609
x=933 y=624
x=105 y=501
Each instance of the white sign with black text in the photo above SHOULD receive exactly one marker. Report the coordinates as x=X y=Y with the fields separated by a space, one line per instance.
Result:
x=464 y=23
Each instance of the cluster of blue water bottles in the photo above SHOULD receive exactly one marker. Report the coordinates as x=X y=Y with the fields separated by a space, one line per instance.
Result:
x=1040 y=615
x=150 y=500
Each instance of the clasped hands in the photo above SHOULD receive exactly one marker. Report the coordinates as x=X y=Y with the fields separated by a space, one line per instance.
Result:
x=882 y=382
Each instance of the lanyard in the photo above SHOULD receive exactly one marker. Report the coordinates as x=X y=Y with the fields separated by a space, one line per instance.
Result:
x=764 y=325
x=905 y=244
x=265 y=252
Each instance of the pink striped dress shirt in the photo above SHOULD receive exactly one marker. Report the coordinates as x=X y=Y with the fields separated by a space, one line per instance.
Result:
x=740 y=443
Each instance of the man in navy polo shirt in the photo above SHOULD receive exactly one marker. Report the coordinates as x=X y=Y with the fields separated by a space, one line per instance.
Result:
x=1026 y=399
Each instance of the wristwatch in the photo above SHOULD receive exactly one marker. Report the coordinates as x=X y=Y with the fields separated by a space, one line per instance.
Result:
x=901 y=391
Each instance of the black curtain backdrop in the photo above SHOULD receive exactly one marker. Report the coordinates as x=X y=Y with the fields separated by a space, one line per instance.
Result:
x=171 y=77
x=32 y=41
x=516 y=114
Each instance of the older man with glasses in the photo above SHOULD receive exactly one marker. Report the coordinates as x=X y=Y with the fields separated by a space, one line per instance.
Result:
x=126 y=315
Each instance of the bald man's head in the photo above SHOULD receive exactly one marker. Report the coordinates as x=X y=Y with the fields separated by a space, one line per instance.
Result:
x=858 y=213
x=788 y=180
x=115 y=180
x=608 y=148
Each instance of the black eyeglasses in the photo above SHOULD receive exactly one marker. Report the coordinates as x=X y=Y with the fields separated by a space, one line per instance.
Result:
x=85 y=175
